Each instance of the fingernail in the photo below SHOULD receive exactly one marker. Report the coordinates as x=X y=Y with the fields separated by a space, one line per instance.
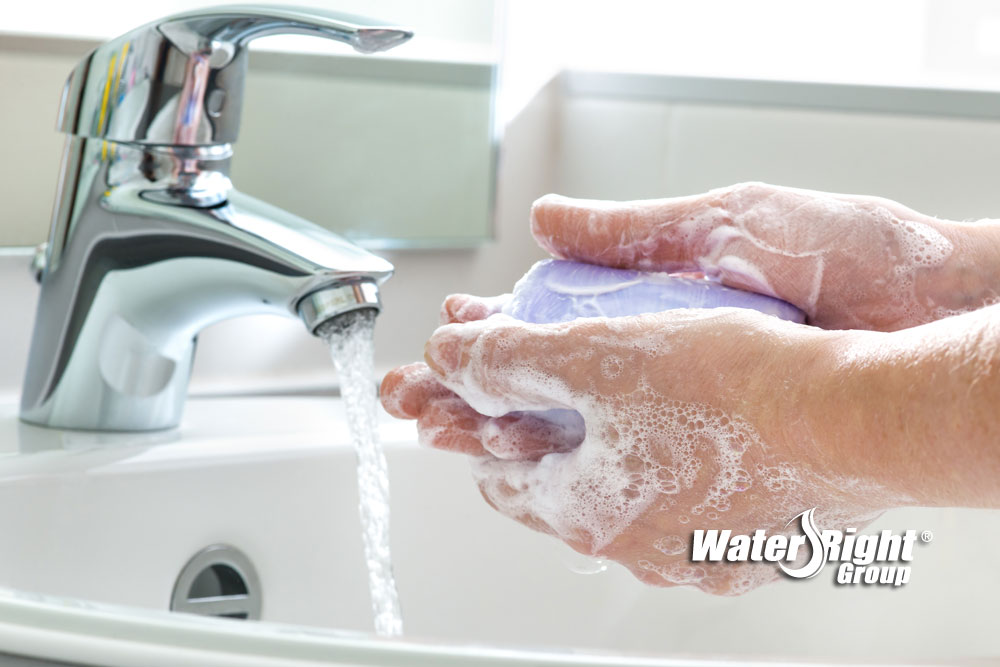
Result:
x=405 y=390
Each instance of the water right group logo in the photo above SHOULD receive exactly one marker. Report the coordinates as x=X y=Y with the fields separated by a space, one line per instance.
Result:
x=882 y=558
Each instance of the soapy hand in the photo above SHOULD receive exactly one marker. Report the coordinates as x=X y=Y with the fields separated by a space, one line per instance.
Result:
x=849 y=262
x=694 y=419
x=718 y=418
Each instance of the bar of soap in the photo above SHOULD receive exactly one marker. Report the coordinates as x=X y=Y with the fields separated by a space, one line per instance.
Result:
x=556 y=290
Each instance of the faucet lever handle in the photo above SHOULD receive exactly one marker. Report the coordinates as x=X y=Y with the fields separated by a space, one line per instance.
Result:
x=179 y=80
x=238 y=24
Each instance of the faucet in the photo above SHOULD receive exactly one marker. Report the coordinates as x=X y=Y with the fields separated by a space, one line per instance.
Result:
x=150 y=243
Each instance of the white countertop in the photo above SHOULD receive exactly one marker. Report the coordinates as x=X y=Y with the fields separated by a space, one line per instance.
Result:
x=212 y=428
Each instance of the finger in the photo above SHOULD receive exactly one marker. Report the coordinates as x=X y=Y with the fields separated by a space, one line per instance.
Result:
x=522 y=436
x=501 y=365
x=679 y=232
x=405 y=391
x=458 y=308
x=449 y=423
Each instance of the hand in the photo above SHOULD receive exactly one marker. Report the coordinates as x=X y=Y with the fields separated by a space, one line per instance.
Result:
x=697 y=419
x=681 y=432
x=849 y=262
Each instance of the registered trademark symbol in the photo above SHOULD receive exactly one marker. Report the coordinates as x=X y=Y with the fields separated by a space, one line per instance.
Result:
x=926 y=536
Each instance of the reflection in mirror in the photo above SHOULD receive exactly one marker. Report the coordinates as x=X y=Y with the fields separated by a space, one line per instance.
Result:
x=396 y=150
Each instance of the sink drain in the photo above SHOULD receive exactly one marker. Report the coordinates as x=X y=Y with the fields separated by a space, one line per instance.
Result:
x=218 y=581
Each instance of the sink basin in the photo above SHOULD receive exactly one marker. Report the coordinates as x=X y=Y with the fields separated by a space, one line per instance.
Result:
x=113 y=519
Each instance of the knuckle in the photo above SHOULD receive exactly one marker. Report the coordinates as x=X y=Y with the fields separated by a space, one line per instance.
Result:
x=449 y=308
x=403 y=390
x=461 y=308
x=741 y=196
x=494 y=348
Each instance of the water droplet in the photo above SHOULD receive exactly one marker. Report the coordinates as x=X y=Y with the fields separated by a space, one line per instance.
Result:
x=581 y=564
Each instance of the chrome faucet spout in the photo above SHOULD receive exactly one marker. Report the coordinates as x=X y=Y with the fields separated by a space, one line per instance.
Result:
x=150 y=243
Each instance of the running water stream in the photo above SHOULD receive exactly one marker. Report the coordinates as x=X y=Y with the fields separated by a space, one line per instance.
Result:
x=350 y=337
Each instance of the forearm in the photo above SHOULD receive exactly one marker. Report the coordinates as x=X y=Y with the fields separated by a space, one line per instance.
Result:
x=970 y=277
x=919 y=409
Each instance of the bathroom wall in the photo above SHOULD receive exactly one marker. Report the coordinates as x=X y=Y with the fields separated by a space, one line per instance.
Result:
x=317 y=130
x=621 y=147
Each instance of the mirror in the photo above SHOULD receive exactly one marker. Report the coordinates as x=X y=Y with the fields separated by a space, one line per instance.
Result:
x=394 y=150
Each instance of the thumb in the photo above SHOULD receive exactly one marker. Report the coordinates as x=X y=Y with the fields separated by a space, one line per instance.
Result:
x=502 y=365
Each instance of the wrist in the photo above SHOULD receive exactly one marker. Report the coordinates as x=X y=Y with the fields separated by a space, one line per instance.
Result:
x=840 y=423
x=914 y=410
x=970 y=277
x=852 y=397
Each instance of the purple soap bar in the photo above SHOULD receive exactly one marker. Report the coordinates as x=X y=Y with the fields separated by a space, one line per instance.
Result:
x=557 y=290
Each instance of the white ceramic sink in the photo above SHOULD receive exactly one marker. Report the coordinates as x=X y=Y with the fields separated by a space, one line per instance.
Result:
x=114 y=518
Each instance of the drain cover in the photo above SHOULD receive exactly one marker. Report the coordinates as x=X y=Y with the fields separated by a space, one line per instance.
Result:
x=219 y=580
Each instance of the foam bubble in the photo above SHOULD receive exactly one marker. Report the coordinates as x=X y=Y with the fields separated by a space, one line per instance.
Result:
x=671 y=545
x=594 y=493
x=677 y=574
